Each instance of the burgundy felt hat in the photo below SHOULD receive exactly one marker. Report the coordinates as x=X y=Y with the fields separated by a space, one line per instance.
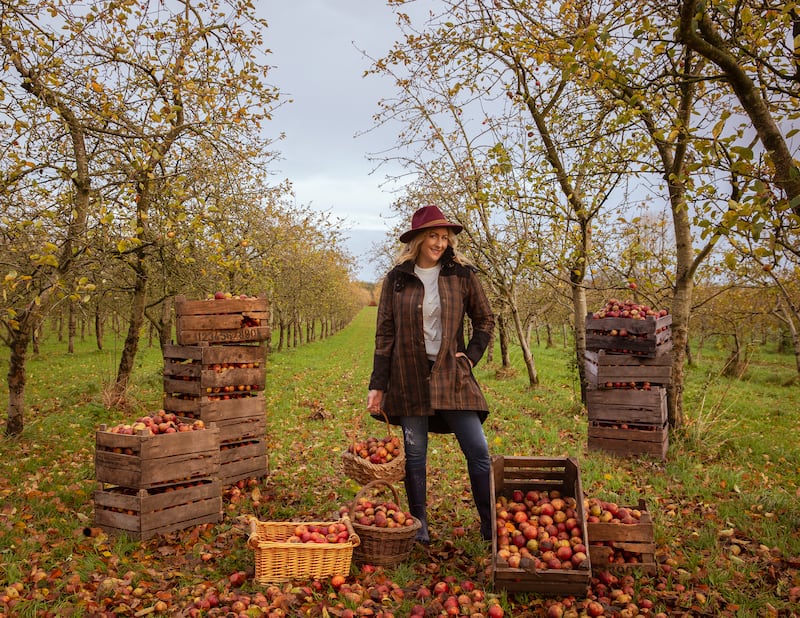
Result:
x=427 y=217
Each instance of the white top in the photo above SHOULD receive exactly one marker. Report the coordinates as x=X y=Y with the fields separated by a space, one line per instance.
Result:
x=431 y=309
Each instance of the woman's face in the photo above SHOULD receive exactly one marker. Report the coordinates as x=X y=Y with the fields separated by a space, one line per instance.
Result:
x=434 y=243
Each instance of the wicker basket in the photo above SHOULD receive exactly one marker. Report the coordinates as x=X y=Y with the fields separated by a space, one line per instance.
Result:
x=278 y=561
x=364 y=471
x=382 y=546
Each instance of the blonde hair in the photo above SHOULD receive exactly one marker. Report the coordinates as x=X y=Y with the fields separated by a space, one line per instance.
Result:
x=410 y=250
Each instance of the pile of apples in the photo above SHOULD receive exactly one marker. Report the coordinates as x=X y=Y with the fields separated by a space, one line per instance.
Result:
x=335 y=532
x=377 y=513
x=377 y=450
x=223 y=367
x=615 y=308
x=229 y=295
x=160 y=422
x=642 y=386
x=540 y=529
x=602 y=511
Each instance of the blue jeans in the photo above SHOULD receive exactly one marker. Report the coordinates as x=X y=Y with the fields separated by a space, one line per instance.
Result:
x=468 y=431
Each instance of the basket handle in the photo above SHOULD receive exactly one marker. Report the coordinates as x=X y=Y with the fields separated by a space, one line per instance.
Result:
x=369 y=487
x=357 y=426
x=252 y=537
x=353 y=535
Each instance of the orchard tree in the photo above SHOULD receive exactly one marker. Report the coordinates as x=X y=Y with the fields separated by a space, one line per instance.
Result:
x=46 y=193
x=756 y=46
x=119 y=95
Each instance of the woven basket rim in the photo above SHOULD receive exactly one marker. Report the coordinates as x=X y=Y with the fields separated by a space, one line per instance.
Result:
x=256 y=541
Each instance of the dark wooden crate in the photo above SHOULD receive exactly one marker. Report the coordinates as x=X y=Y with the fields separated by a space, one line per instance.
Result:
x=629 y=440
x=144 y=460
x=243 y=460
x=627 y=405
x=637 y=539
x=604 y=369
x=537 y=473
x=143 y=513
x=213 y=409
x=650 y=337
x=214 y=370
x=229 y=320
x=238 y=428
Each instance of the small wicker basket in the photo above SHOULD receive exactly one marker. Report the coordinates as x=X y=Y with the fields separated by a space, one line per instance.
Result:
x=277 y=560
x=364 y=471
x=382 y=546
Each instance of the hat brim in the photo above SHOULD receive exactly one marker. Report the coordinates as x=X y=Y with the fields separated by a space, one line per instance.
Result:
x=407 y=236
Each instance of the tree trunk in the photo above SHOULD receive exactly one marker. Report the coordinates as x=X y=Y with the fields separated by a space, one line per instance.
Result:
x=681 y=307
x=579 y=326
x=530 y=363
x=128 y=357
x=548 y=329
x=98 y=327
x=16 y=378
x=165 y=325
x=502 y=329
x=71 y=319
x=734 y=365
x=37 y=334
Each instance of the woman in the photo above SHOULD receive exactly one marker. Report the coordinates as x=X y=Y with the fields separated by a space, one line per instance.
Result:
x=422 y=370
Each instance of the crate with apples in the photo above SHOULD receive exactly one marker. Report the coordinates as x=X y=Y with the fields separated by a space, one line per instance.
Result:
x=627 y=327
x=621 y=538
x=145 y=513
x=157 y=449
x=223 y=318
x=628 y=420
x=243 y=459
x=539 y=526
x=239 y=418
x=607 y=370
x=214 y=372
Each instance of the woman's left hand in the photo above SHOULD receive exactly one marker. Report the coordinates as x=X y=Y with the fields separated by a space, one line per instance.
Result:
x=461 y=354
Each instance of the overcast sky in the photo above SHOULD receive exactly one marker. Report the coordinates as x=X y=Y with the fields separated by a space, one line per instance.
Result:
x=315 y=48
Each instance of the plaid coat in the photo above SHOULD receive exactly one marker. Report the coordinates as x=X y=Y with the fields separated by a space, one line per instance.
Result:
x=400 y=364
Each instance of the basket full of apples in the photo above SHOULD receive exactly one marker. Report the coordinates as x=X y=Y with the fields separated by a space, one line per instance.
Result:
x=386 y=531
x=375 y=458
x=287 y=550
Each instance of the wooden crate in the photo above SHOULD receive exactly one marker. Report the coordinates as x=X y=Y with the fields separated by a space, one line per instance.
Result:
x=144 y=460
x=537 y=473
x=630 y=439
x=216 y=409
x=651 y=337
x=229 y=320
x=240 y=428
x=627 y=405
x=243 y=460
x=605 y=370
x=214 y=370
x=636 y=540
x=144 y=513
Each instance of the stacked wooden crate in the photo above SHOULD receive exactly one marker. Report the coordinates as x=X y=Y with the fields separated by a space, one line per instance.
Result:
x=628 y=366
x=217 y=373
x=153 y=484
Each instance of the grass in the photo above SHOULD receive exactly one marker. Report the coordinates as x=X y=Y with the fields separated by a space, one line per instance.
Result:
x=731 y=477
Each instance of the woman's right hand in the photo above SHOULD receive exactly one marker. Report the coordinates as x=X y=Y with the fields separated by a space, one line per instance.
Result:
x=374 y=399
